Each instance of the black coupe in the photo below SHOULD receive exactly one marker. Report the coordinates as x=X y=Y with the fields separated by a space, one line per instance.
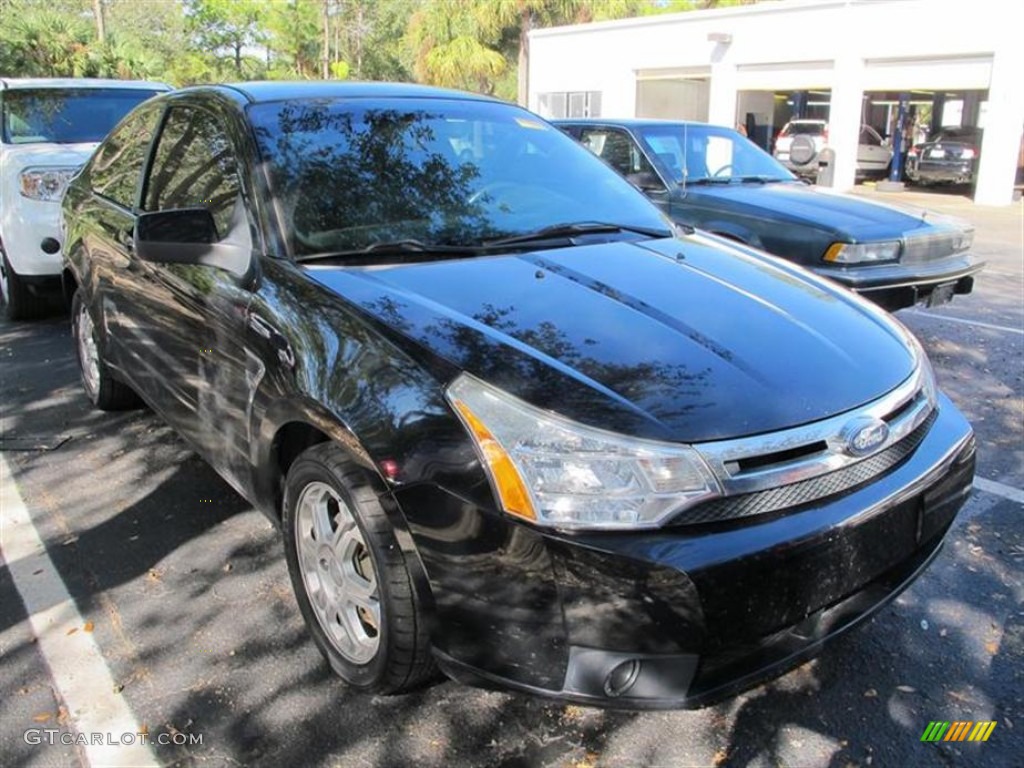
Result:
x=509 y=421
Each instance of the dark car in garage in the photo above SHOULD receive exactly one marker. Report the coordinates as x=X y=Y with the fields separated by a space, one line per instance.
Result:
x=950 y=156
x=714 y=179
x=510 y=419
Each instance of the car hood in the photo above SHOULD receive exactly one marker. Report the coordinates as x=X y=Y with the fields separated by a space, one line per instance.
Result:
x=683 y=340
x=856 y=218
x=20 y=156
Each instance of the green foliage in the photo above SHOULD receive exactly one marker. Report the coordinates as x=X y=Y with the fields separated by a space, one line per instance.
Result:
x=478 y=45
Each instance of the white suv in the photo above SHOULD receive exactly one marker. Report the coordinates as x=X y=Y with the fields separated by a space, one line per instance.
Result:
x=800 y=141
x=48 y=129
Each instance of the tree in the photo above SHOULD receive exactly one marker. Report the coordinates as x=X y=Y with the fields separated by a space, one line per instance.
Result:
x=231 y=24
x=39 y=42
x=452 y=48
x=292 y=31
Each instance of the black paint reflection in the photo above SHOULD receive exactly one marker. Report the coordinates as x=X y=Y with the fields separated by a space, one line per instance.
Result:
x=441 y=172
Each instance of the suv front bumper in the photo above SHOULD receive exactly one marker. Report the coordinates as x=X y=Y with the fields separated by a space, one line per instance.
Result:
x=23 y=227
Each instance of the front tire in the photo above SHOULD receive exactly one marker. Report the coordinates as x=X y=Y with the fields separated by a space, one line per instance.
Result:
x=19 y=303
x=350 y=576
x=103 y=390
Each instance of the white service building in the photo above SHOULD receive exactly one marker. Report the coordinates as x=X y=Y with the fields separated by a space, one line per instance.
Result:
x=847 y=61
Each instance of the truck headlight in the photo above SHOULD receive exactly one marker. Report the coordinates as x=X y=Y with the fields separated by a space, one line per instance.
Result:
x=862 y=253
x=554 y=472
x=46 y=184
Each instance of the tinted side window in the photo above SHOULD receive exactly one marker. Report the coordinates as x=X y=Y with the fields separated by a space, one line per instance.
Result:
x=117 y=167
x=617 y=149
x=195 y=167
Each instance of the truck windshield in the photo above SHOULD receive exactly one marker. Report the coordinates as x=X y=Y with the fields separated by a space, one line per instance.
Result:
x=65 y=115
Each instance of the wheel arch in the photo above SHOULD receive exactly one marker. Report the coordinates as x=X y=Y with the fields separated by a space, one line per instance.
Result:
x=735 y=232
x=291 y=428
x=68 y=285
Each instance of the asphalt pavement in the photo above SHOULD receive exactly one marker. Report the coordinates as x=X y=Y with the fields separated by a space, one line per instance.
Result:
x=181 y=590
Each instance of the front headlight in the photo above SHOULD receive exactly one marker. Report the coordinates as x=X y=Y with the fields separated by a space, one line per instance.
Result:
x=963 y=241
x=862 y=253
x=47 y=184
x=554 y=472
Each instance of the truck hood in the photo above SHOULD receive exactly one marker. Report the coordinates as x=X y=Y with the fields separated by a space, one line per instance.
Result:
x=677 y=339
x=854 y=218
x=19 y=156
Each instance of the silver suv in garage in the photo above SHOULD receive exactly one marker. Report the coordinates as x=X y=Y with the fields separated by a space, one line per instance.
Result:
x=800 y=141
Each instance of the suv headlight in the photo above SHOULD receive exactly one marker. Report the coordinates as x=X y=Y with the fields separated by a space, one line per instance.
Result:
x=47 y=184
x=862 y=253
x=554 y=472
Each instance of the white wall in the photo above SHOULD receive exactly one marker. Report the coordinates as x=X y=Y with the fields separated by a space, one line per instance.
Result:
x=848 y=46
x=673 y=99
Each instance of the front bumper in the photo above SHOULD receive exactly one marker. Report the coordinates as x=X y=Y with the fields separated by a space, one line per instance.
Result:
x=684 y=615
x=24 y=225
x=896 y=286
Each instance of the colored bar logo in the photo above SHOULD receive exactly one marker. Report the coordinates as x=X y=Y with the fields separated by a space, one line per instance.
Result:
x=958 y=730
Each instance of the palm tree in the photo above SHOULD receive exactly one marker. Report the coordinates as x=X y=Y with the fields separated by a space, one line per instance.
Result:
x=450 y=47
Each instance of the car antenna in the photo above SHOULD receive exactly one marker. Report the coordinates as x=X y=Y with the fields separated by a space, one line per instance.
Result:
x=686 y=170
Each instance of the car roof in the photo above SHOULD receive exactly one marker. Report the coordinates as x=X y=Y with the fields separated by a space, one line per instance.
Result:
x=17 y=83
x=631 y=122
x=275 y=90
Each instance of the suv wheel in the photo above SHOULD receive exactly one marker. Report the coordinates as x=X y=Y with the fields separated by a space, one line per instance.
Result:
x=19 y=303
x=103 y=390
x=350 y=576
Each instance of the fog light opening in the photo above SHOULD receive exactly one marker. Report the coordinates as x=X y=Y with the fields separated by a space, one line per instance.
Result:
x=50 y=245
x=622 y=677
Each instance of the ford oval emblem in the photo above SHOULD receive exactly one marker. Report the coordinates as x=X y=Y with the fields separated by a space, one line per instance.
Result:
x=863 y=435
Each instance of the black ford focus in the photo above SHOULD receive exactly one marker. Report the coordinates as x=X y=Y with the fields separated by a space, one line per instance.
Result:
x=512 y=423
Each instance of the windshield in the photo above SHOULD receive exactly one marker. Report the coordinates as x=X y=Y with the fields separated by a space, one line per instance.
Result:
x=957 y=134
x=65 y=116
x=802 y=129
x=707 y=152
x=441 y=172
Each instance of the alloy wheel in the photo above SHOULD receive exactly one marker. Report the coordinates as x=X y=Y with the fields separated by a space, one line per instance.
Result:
x=338 y=572
x=88 y=353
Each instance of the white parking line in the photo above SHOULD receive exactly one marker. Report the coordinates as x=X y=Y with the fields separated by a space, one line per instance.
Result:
x=961 y=321
x=80 y=674
x=999 y=489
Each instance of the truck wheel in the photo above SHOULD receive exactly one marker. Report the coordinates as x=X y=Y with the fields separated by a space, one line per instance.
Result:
x=19 y=303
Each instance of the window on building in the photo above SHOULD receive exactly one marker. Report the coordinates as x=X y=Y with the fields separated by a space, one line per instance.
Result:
x=570 y=104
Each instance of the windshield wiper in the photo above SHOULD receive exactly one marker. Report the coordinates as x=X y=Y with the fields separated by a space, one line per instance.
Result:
x=570 y=230
x=706 y=180
x=757 y=179
x=396 y=247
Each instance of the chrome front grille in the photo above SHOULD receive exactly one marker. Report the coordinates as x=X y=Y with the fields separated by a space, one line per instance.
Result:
x=806 y=491
x=918 y=249
x=782 y=470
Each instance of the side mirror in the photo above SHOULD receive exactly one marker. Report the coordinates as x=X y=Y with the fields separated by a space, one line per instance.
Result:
x=186 y=236
x=646 y=182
